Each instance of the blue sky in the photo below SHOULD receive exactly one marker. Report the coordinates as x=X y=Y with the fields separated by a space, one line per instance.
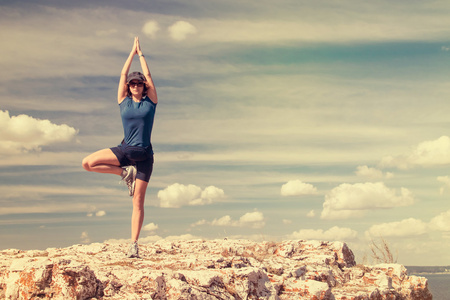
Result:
x=277 y=120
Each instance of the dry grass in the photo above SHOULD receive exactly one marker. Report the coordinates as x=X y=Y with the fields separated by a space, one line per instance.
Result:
x=381 y=252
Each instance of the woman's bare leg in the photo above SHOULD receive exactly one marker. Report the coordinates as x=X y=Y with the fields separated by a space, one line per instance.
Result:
x=137 y=217
x=102 y=161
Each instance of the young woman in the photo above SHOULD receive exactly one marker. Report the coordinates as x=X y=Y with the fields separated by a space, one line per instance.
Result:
x=133 y=158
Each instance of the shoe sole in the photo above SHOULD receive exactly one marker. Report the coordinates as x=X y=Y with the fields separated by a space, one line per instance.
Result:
x=133 y=184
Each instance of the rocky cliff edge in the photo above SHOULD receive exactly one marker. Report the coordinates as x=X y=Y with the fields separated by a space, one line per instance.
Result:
x=199 y=269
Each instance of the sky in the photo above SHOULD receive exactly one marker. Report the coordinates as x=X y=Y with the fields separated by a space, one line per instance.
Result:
x=277 y=120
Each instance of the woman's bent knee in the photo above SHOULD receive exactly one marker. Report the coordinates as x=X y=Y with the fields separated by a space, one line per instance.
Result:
x=86 y=164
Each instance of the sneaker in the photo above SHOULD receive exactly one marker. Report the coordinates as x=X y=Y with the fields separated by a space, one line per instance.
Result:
x=130 y=179
x=133 y=251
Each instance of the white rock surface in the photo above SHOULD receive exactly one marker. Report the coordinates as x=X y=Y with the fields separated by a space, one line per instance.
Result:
x=199 y=269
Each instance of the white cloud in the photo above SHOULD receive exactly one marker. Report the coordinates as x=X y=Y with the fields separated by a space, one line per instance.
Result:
x=411 y=227
x=150 y=28
x=150 y=227
x=181 y=29
x=445 y=48
x=441 y=222
x=297 y=188
x=211 y=193
x=311 y=214
x=178 y=195
x=287 y=221
x=199 y=223
x=85 y=238
x=372 y=173
x=426 y=154
x=250 y=220
x=353 y=200
x=23 y=133
x=100 y=213
x=224 y=221
x=407 y=227
x=333 y=234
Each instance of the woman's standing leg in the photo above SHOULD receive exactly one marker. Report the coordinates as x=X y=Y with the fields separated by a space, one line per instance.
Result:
x=144 y=171
x=137 y=217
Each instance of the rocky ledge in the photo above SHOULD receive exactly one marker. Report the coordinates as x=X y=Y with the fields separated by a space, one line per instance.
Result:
x=199 y=269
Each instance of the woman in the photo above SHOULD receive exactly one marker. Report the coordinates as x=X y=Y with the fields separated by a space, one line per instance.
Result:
x=133 y=158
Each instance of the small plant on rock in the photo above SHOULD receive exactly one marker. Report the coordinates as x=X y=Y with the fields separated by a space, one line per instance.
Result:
x=381 y=252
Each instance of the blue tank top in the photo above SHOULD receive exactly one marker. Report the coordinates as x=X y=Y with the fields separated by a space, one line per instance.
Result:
x=137 y=120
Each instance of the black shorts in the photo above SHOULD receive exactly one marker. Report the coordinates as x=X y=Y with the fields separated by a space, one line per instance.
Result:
x=140 y=157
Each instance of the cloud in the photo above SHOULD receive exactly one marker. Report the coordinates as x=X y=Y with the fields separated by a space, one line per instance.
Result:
x=426 y=154
x=311 y=214
x=372 y=173
x=23 y=133
x=178 y=195
x=287 y=221
x=407 y=227
x=199 y=223
x=99 y=213
x=333 y=234
x=297 y=188
x=441 y=222
x=150 y=28
x=211 y=193
x=224 y=221
x=250 y=220
x=411 y=227
x=446 y=181
x=181 y=29
x=353 y=200
x=85 y=238
x=150 y=227
x=445 y=48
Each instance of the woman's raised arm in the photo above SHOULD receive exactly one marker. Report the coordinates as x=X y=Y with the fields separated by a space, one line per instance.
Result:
x=123 y=87
x=151 y=92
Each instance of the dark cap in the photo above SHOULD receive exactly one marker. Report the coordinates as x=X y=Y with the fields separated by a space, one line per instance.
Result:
x=135 y=76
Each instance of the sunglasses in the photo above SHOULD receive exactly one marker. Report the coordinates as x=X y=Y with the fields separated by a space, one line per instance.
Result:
x=139 y=84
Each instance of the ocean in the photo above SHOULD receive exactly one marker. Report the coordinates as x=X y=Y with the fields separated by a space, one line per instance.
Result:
x=438 y=284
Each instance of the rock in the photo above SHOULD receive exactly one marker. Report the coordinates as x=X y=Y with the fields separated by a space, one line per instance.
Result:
x=198 y=269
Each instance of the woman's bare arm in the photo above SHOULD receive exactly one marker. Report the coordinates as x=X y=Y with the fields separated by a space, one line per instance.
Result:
x=151 y=92
x=123 y=87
